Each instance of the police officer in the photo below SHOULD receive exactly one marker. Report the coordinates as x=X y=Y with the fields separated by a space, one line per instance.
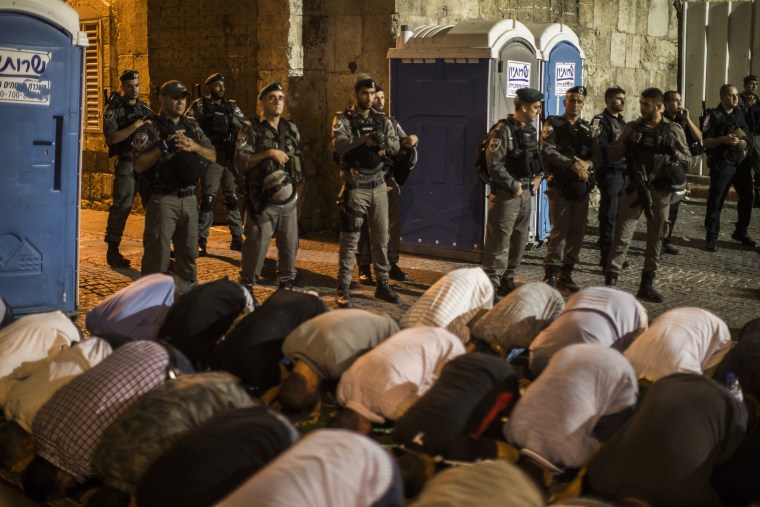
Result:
x=751 y=104
x=610 y=176
x=220 y=120
x=269 y=155
x=513 y=160
x=675 y=112
x=361 y=137
x=567 y=148
x=727 y=143
x=657 y=158
x=408 y=153
x=124 y=114
x=173 y=152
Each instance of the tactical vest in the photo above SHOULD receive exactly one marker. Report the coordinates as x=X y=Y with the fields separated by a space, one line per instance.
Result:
x=365 y=159
x=614 y=126
x=272 y=182
x=647 y=146
x=162 y=175
x=216 y=122
x=523 y=153
x=126 y=114
x=572 y=140
x=726 y=125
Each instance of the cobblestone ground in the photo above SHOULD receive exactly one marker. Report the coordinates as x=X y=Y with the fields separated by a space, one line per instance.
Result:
x=726 y=282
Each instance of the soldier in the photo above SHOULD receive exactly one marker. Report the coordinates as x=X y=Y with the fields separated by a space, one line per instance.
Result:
x=408 y=155
x=610 y=176
x=124 y=114
x=727 y=141
x=174 y=152
x=566 y=146
x=361 y=137
x=513 y=159
x=751 y=104
x=220 y=120
x=657 y=157
x=269 y=155
x=675 y=112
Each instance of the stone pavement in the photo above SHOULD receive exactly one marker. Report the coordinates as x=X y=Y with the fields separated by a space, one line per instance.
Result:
x=726 y=282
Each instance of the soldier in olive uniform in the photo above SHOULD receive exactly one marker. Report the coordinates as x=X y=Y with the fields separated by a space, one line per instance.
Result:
x=361 y=137
x=727 y=142
x=658 y=157
x=567 y=145
x=269 y=155
x=220 y=120
x=124 y=114
x=514 y=165
x=173 y=152
x=407 y=156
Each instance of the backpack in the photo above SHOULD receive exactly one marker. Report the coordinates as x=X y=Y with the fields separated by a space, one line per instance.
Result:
x=481 y=167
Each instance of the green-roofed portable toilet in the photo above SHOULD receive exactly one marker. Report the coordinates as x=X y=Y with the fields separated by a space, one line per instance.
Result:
x=41 y=58
x=560 y=68
x=449 y=84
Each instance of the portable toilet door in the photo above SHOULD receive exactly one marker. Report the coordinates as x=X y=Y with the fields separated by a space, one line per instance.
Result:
x=41 y=57
x=444 y=87
x=561 y=69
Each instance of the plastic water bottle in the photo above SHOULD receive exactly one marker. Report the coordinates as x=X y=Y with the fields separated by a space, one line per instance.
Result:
x=732 y=383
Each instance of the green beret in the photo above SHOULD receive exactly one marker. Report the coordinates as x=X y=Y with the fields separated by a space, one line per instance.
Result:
x=276 y=86
x=577 y=89
x=751 y=77
x=214 y=77
x=129 y=75
x=529 y=95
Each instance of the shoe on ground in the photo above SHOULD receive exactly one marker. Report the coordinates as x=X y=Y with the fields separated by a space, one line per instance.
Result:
x=115 y=259
x=743 y=238
x=343 y=297
x=506 y=286
x=711 y=244
x=236 y=244
x=386 y=292
x=365 y=275
x=670 y=249
x=202 y=252
x=286 y=285
x=397 y=274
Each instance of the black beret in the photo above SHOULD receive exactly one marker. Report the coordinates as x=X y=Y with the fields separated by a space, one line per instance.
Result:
x=173 y=88
x=129 y=75
x=751 y=77
x=276 y=86
x=365 y=83
x=529 y=95
x=214 y=77
x=378 y=88
x=578 y=89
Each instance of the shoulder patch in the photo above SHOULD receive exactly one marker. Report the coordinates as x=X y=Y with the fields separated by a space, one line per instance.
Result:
x=338 y=125
x=242 y=140
x=109 y=114
x=494 y=144
x=547 y=130
x=141 y=139
x=237 y=111
x=706 y=123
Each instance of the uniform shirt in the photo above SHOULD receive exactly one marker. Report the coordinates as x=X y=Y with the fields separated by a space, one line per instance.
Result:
x=487 y=484
x=208 y=463
x=148 y=428
x=554 y=420
x=338 y=468
x=621 y=147
x=518 y=318
x=609 y=128
x=346 y=139
x=456 y=296
x=116 y=116
x=136 y=311
x=680 y=340
x=559 y=158
x=205 y=111
x=34 y=338
x=603 y=315
x=497 y=150
x=388 y=379
x=68 y=427
x=29 y=388
x=331 y=342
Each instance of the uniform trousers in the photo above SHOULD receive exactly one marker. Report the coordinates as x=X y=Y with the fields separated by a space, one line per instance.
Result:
x=363 y=255
x=280 y=221
x=611 y=186
x=170 y=219
x=722 y=175
x=568 y=220
x=123 y=196
x=217 y=173
x=506 y=233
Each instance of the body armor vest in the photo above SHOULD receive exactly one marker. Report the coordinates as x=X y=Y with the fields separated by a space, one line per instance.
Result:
x=365 y=159
x=126 y=114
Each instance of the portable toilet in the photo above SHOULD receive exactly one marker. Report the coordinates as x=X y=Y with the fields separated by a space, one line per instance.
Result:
x=41 y=58
x=560 y=68
x=449 y=84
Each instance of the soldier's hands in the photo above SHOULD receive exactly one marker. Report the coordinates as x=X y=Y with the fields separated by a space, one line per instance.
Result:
x=731 y=140
x=534 y=183
x=519 y=191
x=581 y=167
x=169 y=145
x=279 y=156
x=410 y=142
x=137 y=124
x=185 y=143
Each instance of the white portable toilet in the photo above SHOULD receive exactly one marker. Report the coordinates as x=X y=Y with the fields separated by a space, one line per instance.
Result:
x=448 y=85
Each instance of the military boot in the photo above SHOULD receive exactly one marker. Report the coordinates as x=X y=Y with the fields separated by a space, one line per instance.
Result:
x=566 y=281
x=610 y=279
x=365 y=275
x=114 y=257
x=202 y=252
x=236 y=244
x=385 y=292
x=397 y=274
x=551 y=275
x=647 y=290
x=248 y=284
x=343 y=297
x=506 y=286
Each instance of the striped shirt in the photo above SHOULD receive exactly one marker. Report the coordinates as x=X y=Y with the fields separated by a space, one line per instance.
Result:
x=338 y=468
x=518 y=318
x=388 y=379
x=67 y=428
x=603 y=315
x=453 y=300
x=688 y=340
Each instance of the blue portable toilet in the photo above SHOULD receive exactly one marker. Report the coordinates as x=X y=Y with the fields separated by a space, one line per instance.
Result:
x=560 y=68
x=41 y=58
x=449 y=84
